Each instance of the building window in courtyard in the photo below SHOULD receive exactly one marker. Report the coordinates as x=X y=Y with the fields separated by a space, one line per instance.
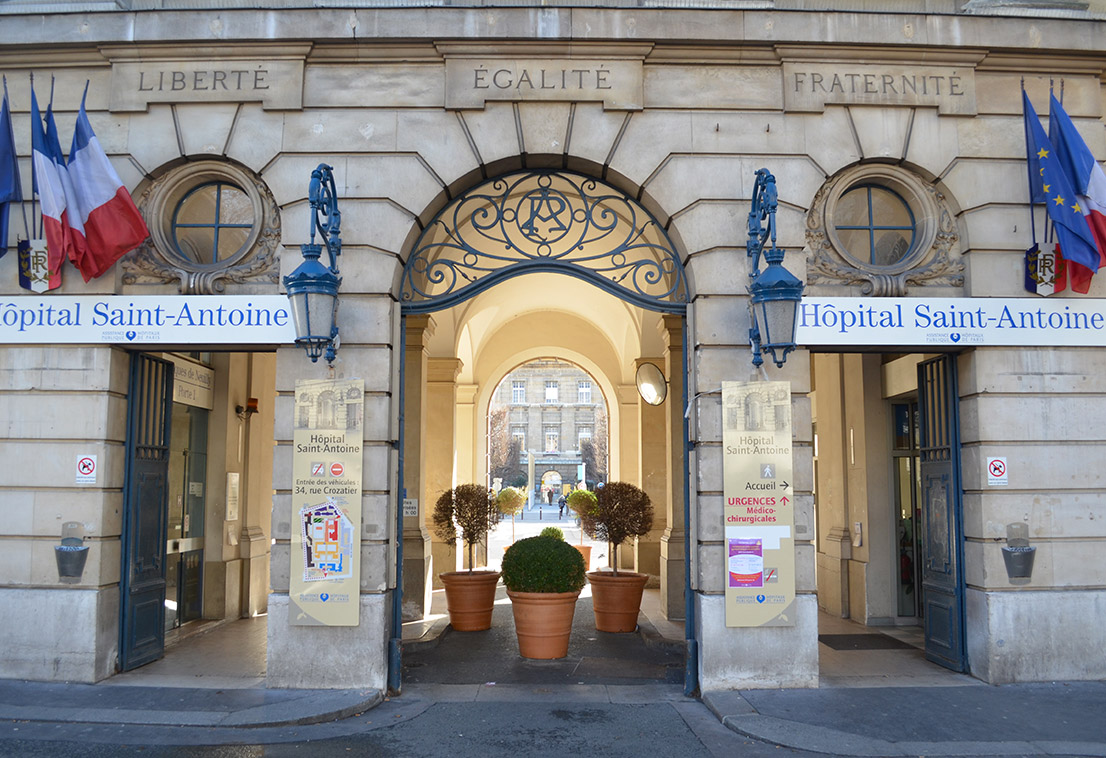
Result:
x=518 y=392
x=583 y=392
x=552 y=438
x=552 y=391
x=583 y=433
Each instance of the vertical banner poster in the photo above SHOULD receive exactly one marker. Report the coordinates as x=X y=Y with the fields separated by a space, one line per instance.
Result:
x=326 y=502
x=758 y=505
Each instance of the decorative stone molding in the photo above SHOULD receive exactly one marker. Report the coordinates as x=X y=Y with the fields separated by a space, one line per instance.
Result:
x=931 y=260
x=157 y=261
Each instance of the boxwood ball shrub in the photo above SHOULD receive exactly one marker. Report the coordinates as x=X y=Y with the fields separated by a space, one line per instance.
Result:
x=543 y=564
x=554 y=532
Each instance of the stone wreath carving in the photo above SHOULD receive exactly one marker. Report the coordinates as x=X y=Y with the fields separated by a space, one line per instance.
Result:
x=930 y=262
x=157 y=261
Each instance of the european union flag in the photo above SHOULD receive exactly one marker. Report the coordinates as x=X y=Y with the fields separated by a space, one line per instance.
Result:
x=1049 y=184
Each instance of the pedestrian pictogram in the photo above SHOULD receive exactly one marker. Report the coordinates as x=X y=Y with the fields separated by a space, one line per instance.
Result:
x=336 y=469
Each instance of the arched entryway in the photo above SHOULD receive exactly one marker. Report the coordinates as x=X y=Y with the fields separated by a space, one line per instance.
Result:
x=533 y=264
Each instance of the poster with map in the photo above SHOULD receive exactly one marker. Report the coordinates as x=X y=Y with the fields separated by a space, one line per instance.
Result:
x=324 y=584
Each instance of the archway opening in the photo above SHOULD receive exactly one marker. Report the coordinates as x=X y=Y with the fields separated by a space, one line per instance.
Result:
x=524 y=269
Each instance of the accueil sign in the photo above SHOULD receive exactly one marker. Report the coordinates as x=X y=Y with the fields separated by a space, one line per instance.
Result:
x=974 y=321
x=759 y=508
x=146 y=320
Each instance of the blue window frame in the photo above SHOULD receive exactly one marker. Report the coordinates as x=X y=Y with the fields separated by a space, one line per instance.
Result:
x=212 y=223
x=880 y=228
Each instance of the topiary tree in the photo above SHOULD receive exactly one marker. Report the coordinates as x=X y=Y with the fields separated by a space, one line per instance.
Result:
x=554 y=532
x=510 y=501
x=470 y=509
x=622 y=510
x=581 y=502
x=543 y=564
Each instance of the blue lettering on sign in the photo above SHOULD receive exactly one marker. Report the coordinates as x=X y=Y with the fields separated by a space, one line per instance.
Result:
x=827 y=315
x=43 y=314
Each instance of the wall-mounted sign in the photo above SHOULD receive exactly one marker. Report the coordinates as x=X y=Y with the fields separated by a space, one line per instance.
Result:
x=997 y=475
x=758 y=508
x=86 y=469
x=471 y=82
x=193 y=383
x=146 y=320
x=272 y=82
x=811 y=86
x=951 y=321
x=233 y=494
x=324 y=584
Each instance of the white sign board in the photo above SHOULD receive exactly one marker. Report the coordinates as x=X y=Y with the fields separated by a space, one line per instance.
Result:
x=997 y=474
x=86 y=469
x=410 y=507
x=146 y=320
x=950 y=321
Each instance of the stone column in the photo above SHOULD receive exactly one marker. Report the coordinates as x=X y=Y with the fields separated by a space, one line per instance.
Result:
x=834 y=543
x=624 y=466
x=441 y=396
x=417 y=558
x=652 y=451
x=672 y=550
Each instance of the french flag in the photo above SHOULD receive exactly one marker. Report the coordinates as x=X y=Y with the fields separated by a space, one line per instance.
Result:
x=1088 y=181
x=50 y=182
x=101 y=210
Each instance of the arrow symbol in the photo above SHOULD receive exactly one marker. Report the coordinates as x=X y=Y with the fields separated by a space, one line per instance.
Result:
x=784 y=500
x=785 y=485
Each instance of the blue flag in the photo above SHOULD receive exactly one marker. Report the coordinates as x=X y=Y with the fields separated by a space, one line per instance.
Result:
x=10 y=189
x=1050 y=184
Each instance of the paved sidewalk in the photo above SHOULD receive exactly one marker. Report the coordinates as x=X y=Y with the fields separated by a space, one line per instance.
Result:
x=1058 y=718
x=177 y=706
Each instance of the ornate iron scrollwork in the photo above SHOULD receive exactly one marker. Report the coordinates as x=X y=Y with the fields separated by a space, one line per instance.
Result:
x=543 y=221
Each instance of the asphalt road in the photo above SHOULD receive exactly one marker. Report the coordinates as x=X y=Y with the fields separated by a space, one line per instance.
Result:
x=457 y=730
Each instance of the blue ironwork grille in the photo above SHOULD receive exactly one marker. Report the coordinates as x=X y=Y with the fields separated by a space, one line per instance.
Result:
x=543 y=221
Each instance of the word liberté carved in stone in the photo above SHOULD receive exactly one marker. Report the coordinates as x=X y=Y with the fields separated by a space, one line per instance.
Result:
x=275 y=84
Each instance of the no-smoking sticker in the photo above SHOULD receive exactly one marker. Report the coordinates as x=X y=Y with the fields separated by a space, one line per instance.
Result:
x=997 y=473
x=86 y=469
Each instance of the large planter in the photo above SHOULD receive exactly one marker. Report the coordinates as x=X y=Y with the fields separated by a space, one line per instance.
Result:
x=616 y=599
x=470 y=597
x=543 y=622
x=585 y=550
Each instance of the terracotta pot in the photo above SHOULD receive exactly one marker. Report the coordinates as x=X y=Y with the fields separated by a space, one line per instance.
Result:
x=543 y=622
x=470 y=597
x=585 y=550
x=616 y=600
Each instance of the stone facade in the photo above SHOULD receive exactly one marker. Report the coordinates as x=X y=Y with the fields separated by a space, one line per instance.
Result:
x=676 y=108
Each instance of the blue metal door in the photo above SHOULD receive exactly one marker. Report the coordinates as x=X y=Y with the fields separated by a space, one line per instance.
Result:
x=942 y=522
x=145 y=505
